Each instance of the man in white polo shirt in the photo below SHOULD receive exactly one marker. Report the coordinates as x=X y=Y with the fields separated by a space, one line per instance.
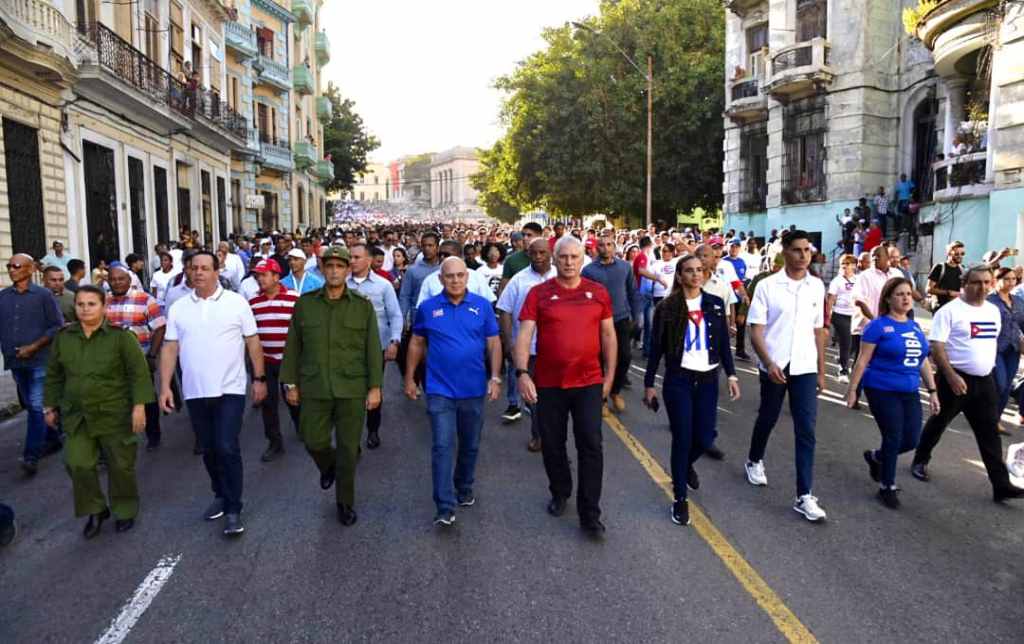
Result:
x=963 y=343
x=211 y=328
x=787 y=310
x=866 y=291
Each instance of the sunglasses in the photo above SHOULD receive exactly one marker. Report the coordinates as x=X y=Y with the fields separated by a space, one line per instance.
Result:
x=445 y=255
x=13 y=267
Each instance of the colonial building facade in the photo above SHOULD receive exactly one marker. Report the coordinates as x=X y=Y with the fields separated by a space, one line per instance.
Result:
x=128 y=123
x=450 y=189
x=826 y=101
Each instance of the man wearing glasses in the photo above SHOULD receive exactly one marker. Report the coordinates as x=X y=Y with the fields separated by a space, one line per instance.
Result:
x=944 y=280
x=29 y=318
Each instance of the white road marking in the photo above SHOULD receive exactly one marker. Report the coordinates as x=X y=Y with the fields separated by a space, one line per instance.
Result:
x=121 y=626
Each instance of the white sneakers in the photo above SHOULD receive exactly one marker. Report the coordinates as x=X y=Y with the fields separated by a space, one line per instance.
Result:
x=807 y=505
x=755 y=473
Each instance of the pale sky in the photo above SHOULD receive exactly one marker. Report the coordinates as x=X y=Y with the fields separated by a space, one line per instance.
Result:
x=420 y=71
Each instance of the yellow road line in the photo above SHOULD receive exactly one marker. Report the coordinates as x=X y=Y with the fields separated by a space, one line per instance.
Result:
x=788 y=624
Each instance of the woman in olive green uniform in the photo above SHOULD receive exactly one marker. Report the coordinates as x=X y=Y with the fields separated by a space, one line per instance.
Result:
x=97 y=383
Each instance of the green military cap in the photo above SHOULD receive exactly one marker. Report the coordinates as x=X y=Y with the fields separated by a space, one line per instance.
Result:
x=337 y=252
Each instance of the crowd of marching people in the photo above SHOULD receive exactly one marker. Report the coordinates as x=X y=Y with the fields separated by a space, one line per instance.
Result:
x=548 y=317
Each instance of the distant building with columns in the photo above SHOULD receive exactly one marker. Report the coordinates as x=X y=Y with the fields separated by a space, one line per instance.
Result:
x=450 y=172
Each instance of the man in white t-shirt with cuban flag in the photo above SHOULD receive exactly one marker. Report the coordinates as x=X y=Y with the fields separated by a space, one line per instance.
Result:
x=963 y=343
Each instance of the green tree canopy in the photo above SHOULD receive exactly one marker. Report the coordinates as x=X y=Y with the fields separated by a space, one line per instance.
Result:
x=575 y=115
x=346 y=140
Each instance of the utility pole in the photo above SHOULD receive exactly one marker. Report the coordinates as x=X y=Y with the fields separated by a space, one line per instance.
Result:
x=650 y=132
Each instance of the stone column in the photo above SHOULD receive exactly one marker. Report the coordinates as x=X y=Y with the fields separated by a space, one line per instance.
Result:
x=955 y=112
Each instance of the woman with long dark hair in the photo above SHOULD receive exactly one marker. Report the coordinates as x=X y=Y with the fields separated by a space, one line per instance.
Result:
x=691 y=332
x=892 y=362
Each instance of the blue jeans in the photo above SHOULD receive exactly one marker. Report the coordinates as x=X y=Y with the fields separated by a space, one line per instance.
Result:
x=691 y=402
x=898 y=414
x=803 y=406
x=454 y=420
x=648 y=312
x=1007 y=362
x=30 y=382
x=217 y=423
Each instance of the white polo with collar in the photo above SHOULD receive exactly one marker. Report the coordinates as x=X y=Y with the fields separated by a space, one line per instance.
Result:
x=791 y=311
x=211 y=333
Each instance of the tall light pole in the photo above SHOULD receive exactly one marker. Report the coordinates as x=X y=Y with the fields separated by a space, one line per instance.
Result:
x=649 y=77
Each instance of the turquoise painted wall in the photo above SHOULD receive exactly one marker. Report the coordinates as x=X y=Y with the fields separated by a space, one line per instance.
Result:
x=967 y=221
x=1006 y=210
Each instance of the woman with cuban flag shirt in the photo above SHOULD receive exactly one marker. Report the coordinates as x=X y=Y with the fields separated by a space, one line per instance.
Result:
x=691 y=332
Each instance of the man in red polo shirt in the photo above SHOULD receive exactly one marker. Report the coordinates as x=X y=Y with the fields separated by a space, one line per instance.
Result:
x=273 y=309
x=572 y=317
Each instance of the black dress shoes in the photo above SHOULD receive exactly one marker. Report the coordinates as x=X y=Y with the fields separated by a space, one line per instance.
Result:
x=373 y=440
x=556 y=507
x=95 y=523
x=593 y=527
x=327 y=479
x=346 y=515
x=124 y=525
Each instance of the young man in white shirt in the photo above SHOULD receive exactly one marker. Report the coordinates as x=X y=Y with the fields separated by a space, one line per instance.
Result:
x=213 y=328
x=787 y=310
x=963 y=340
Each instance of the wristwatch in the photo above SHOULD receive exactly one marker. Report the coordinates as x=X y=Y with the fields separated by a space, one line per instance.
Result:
x=522 y=372
x=259 y=378
x=496 y=379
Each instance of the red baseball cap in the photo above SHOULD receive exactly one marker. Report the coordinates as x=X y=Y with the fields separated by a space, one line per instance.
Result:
x=267 y=265
x=591 y=243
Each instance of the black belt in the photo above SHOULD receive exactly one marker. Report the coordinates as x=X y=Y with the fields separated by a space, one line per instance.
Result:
x=700 y=376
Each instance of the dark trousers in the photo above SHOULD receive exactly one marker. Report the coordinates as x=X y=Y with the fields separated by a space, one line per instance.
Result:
x=623 y=329
x=373 y=416
x=403 y=350
x=345 y=416
x=741 y=338
x=553 y=408
x=803 y=406
x=217 y=423
x=534 y=417
x=980 y=407
x=898 y=414
x=269 y=406
x=691 y=401
x=841 y=325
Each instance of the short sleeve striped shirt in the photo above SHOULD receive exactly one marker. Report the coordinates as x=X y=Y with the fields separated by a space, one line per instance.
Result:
x=272 y=319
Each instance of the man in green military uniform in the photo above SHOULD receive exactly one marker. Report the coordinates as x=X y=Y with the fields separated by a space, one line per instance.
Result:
x=97 y=384
x=334 y=364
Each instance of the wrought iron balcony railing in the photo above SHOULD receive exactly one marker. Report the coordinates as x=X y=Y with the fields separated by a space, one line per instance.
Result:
x=131 y=66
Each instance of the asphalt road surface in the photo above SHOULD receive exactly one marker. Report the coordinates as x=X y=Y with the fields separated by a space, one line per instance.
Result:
x=945 y=567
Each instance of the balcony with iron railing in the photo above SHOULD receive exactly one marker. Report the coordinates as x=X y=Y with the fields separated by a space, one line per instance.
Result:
x=241 y=39
x=302 y=11
x=961 y=177
x=42 y=25
x=305 y=155
x=116 y=74
x=324 y=171
x=746 y=100
x=276 y=155
x=323 y=48
x=324 y=109
x=272 y=73
x=799 y=70
x=302 y=79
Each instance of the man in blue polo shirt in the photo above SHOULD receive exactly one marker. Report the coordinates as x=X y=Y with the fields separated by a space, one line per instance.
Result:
x=455 y=330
